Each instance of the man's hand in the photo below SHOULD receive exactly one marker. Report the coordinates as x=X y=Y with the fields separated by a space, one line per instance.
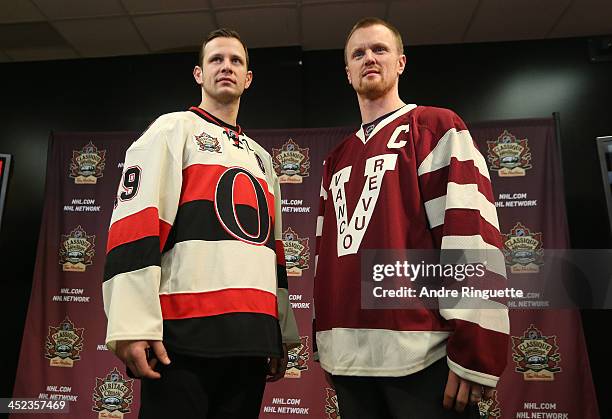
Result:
x=458 y=391
x=133 y=353
x=277 y=366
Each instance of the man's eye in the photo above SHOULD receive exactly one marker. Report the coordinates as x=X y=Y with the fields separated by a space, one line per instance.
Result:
x=379 y=49
x=357 y=54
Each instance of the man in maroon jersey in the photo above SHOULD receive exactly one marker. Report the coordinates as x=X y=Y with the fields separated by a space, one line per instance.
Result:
x=409 y=178
x=197 y=194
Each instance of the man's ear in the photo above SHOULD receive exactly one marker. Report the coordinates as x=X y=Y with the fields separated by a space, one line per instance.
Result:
x=348 y=75
x=249 y=79
x=197 y=74
x=402 y=64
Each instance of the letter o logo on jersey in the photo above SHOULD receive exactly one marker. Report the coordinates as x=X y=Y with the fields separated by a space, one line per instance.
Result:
x=225 y=207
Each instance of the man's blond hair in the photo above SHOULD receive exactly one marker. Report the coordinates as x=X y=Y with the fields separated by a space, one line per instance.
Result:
x=366 y=22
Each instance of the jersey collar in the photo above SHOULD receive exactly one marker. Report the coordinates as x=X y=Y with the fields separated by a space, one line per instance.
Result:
x=214 y=120
x=401 y=111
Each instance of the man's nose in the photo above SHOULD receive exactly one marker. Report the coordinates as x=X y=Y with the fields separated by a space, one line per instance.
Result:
x=369 y=56
x=227 y=65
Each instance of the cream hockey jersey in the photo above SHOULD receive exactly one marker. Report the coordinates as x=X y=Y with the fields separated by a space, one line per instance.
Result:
x=194 y=253
x=417 y=182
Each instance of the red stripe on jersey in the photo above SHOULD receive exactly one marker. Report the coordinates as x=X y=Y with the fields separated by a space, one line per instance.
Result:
x=491 y=360
x=466 y=222
x=434 y=184
x=200 y=183
x=145 y=223
x=212 y=303
x=280 y=253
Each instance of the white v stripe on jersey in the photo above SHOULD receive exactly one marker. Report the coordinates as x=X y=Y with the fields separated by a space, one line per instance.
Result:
x=401 y=111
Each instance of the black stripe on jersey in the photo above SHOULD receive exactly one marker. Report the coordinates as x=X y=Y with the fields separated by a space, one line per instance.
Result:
x=231 y=334
x=197 y=220
x=132 y=256
x=281 y=277
x=211 y=118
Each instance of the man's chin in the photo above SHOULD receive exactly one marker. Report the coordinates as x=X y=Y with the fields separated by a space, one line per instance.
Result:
x=372 y=91
x=227 y=96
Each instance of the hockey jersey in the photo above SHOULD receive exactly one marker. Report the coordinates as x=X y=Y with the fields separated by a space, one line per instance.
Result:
x=194 y=253
x=416 y=182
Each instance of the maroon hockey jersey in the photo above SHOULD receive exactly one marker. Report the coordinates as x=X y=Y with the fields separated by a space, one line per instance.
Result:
x=416 y=182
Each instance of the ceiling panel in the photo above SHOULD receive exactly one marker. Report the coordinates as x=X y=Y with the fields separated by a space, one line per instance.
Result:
x=102 y=37
x=326 y=26
x=174 y=32
x=34 y=34
x=19 y=11
x=502 y=20
x=220 y=4
x=41 y=53
x=431 y=22
x=584 y=18
x=329 y=2
x=276 y=26
x=61 y=9
x=164 y=6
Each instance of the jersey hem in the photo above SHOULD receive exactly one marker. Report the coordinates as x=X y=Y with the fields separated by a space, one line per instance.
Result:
x=385 y=372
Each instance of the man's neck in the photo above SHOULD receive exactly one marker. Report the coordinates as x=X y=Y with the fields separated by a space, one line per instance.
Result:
x=371 y=109
x=227 y=112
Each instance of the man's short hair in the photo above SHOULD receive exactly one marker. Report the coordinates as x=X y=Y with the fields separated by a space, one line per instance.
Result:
x=371 y=21
x=223 y=33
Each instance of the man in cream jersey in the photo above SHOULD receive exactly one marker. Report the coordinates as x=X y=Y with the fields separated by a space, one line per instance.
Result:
x=195 y=285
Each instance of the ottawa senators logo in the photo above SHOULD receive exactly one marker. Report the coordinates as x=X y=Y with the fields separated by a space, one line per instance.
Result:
x=207 y=143
x=297 y=359
x=87 y=165
x=523 y=250
x=64 y=344
x=112 y=395
x=489 y=408
x=76 y=250
x=297 y=252
x=331 y=404
x=536 y=355
x=291 y=162
x=508 y=155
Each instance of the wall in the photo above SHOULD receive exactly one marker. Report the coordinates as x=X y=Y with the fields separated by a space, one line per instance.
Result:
x=301 y=89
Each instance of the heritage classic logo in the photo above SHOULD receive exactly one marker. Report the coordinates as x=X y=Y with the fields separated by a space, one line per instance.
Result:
x=291 y=162
x=87 y=165
x=331 y=404
x=76 y=250
x=508 y=155
x=536 y=355
x=64 y=344
x=523 y=250
x=207 y=143
x=297 y=359
x=489 y=408
x=112 y=395
x=297 y=252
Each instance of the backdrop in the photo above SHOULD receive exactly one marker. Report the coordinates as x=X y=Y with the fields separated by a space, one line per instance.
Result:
x=63 y=356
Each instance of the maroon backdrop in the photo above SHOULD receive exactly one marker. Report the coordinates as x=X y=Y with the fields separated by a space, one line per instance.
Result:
x=63 y=356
